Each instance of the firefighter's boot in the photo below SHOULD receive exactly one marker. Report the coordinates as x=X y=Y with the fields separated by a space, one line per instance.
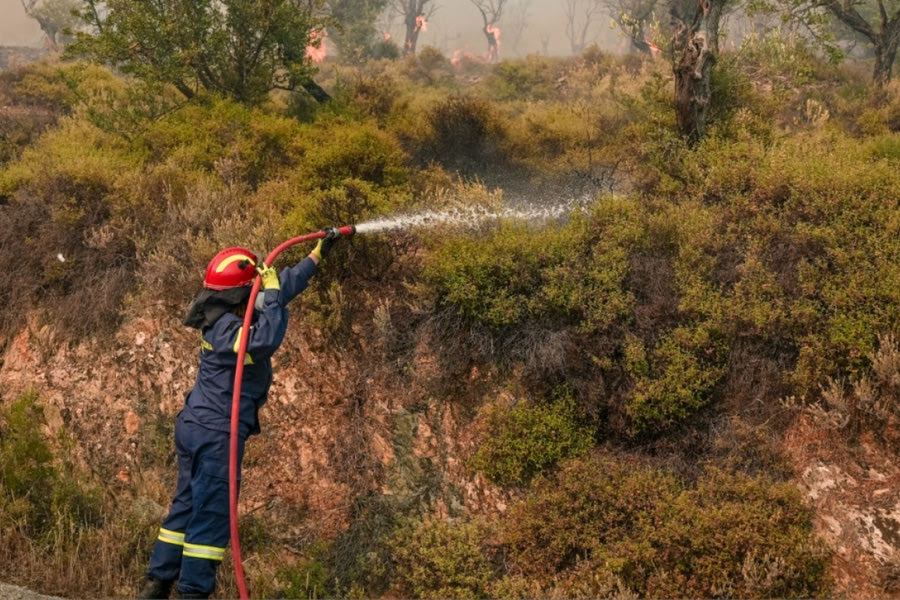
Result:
x=155 y=589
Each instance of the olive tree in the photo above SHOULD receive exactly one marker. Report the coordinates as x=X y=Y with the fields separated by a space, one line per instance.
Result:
x=491 y=11
x=875 y=21
x=355 y=32
x=414 y=14
x=55 y=17
x=695 y=50
x=582 y=16
x=242 y=49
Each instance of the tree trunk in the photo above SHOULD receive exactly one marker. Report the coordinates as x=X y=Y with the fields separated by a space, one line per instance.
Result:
x=885 y=40
x=885 y=54
x=316 y=91
x=696 y=47
x=412 y=34
x=493 y=54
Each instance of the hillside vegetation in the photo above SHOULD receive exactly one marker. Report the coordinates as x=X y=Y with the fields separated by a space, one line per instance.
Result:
x=622 y=377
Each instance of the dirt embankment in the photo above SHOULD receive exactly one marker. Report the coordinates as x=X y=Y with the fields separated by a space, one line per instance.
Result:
x=334 y=431
x=854 y=489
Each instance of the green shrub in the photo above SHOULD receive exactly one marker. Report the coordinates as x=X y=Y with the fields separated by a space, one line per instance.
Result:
x=311 y=578
x=675 y=379
x=605 y=527
x=340 y=150
x=589 y=510
x=493 y=280
x=436 y=559
x=739 y=536
x=43 y=498
x=464 y=133
x=54 y=86
x=534 y=78
x=521 y=441
x=887 y=147
x=572 y=274
x=242 y=145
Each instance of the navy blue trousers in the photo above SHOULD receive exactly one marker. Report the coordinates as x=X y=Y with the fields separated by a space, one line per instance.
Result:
x=192 y=539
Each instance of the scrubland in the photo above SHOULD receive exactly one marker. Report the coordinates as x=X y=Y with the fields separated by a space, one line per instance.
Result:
x=626 y=373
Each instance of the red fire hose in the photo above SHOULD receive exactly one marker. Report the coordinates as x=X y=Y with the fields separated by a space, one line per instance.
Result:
x=236 y=398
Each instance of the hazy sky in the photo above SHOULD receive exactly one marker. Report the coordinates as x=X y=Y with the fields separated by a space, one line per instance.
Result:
x=455 y=25
x=16 y=29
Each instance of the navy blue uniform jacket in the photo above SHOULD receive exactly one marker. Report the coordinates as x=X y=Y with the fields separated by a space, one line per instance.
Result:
x=209 y=403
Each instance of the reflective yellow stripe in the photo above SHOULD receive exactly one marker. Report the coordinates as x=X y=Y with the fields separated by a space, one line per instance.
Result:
x=204 y=345
x=248 y=360
x=171 y=537
x=231 y=259
x=207 y=552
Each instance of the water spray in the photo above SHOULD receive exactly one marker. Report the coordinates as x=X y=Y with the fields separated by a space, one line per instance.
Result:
x=473 y=216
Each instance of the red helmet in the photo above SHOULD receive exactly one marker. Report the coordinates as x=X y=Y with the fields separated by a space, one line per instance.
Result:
x=230 y=268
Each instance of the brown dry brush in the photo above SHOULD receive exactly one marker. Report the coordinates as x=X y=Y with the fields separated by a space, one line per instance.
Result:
x=867 y=403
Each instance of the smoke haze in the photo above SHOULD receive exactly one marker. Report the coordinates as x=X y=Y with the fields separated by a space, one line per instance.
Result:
x=17 y=28
x=455 y=25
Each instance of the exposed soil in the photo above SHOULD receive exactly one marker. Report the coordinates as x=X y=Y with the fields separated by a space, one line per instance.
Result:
x=854 y=488
x=333 y=431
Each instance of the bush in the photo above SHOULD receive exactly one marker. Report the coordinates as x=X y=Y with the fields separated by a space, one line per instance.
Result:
x=522 y=441
x=534 y=78
x=241 y=145
x=310 y=578
x=65 y=234
x=676 y=379
x=865 y=404
x=54 y=519
x=465 y=133
x=569 y=275
x=374 y=95
x=589 y=510
x=436 y=559
x=493 y=281
x=429 y=66
x=338 y=151
x=606 y=527
x=742 y=537
x=42 y=494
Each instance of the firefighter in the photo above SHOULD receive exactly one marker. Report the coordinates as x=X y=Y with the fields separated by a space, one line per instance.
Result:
x=192 y=538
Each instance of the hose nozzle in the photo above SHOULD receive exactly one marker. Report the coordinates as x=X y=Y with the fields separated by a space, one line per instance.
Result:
x=333 y=232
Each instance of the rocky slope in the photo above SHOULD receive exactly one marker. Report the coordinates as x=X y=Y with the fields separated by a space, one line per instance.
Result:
x=334 y=432
x=331 y=434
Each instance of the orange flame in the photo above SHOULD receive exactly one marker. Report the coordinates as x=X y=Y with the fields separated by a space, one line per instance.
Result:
x=421 y=23
x=316 y=50
x=493 y=53
x=495 y=31
x=460 y=55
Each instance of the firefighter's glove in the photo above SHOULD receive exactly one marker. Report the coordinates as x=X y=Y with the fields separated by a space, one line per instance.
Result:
x=269 y=277
x=324 y=247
